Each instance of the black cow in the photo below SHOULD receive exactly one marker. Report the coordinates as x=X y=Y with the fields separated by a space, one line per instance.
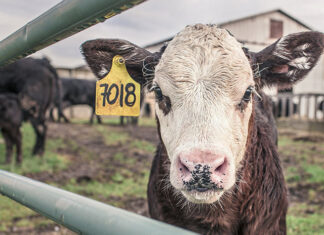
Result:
x=77 y=91
x=11 y=118
x=34 y=81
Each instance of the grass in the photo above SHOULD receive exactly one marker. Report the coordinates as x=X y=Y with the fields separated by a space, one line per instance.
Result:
x=124 y=183
x=11 y=210
x=143 y=145
x=121 y=158
x=304 y=169
x=120 y=186
x=51 y=161
x=292 y=174
x=112 y=137
x=304 y=219
x=128 y=175
x=306 y=225
x=115 y=121
x=144 y=121
x=315 y=172
x=284 y=141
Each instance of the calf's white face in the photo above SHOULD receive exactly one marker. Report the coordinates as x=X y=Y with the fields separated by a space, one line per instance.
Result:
x=203 y=84
x=200 y=82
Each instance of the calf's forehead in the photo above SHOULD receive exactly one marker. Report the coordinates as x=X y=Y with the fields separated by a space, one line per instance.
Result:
x=203 y=53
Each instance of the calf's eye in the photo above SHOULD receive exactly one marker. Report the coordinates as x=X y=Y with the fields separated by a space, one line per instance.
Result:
x=246 y=98
x=158 y=93
x=247 y=94
x=164 y=102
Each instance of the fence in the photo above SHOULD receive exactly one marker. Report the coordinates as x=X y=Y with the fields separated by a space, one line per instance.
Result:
x=80 y=214
x=70 y=17
x=307 y=106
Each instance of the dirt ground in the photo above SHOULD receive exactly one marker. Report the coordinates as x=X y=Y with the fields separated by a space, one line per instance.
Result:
x=92 y=157
x=85 y=169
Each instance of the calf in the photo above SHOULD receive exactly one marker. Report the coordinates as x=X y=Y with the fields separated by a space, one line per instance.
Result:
x=34 y=82
x=216 y=169
x=11 y=118
x=75 y=92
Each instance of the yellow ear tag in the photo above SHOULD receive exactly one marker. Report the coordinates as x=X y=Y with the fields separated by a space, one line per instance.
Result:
x=117 y=93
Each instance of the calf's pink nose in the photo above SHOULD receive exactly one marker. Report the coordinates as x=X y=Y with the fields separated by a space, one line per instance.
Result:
x=212 y=164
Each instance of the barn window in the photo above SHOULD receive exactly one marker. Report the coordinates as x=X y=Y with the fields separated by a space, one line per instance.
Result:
x=276 y=28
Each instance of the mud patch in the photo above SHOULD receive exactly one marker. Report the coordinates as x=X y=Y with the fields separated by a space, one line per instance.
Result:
x=310 y=138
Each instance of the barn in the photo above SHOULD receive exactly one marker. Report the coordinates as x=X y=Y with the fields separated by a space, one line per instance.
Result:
x=256 y=32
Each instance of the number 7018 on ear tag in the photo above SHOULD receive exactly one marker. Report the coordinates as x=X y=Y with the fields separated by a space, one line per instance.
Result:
x=117 y=93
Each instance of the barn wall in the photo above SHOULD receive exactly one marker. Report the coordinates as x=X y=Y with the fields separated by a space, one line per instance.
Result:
x=75 y=73
x=257 y=29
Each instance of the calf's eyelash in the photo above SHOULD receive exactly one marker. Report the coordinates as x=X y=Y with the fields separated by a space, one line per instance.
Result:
x=247 y=97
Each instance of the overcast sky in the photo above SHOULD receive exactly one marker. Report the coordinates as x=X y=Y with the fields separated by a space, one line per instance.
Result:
x=152 y=21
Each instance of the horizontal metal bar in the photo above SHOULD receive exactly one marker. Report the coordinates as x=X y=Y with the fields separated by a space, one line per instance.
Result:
x=80 y=214
x=63 y=20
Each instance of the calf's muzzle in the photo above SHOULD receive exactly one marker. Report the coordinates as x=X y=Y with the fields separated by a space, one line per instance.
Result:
x=202 y=170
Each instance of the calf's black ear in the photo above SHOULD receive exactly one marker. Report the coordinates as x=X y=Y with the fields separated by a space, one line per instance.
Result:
x=140 y=63
x=288 y=60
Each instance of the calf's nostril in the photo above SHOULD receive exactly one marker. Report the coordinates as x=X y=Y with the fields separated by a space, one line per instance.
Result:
x=183 y=168
x=221 y=167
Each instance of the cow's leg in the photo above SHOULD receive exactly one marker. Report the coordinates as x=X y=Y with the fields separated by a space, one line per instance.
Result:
x=51 y=115
x=92 y=115
x=40 y=130
x=9 y=145
x=18 y=146
x=59 y=118
x=134 y=121
x=99 y=120
x=61 y=114
x=121 y=120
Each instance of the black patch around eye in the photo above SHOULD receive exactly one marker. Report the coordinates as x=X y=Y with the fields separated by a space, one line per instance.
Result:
x=163 y=101
x=165 y=105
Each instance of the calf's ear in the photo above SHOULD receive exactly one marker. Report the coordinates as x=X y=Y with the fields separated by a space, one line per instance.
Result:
x=287 y=60
x=99 y=53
